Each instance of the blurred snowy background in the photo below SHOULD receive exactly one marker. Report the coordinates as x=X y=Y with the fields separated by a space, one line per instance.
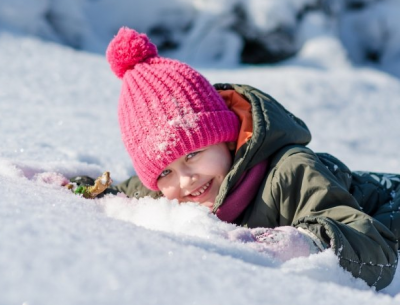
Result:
x=334 y=63
x=223 y=32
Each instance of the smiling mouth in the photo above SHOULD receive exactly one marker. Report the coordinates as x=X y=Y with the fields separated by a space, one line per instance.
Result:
x=200 y=191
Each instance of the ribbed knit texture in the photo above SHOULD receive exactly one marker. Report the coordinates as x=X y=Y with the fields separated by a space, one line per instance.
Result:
x=166 y=108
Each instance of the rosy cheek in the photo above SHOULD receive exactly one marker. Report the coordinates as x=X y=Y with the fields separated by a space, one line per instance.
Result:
x=169 y=191
x=170 y=195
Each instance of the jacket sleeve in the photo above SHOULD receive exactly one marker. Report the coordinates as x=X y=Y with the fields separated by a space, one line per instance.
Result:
x=309 y=196
x=133 y=188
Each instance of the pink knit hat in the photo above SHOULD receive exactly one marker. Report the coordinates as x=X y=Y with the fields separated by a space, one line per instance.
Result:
x=166 y=108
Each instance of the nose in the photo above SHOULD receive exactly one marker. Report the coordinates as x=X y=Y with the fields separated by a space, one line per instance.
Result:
x=187 y=177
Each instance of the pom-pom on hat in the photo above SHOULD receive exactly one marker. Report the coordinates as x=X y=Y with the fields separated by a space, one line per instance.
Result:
x=166 y=109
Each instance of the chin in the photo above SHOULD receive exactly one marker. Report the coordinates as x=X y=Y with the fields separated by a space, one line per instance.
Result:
x=208 y=204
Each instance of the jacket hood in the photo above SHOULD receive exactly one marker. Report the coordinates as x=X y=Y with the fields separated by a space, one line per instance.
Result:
x=273 y=127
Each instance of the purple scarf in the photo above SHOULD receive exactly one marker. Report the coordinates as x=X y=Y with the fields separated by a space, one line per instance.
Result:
x=242 y=193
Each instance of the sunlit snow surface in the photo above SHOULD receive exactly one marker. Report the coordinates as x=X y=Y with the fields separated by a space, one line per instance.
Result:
x=58 y=119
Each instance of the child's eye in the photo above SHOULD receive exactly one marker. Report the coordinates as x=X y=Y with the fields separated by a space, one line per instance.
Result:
x=191 y=155
x=164 y=173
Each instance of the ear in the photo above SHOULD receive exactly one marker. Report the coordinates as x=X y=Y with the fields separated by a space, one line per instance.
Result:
x=231 y=145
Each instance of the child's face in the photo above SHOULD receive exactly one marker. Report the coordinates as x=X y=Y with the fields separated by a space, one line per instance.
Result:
x=196 y=176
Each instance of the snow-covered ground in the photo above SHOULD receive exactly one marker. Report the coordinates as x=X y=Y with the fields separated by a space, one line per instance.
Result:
x=222 y=32
x=58 y=119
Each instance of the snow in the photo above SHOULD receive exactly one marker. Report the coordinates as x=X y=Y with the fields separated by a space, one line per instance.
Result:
x=370 y=32
x=58 y=118
x=216 y=33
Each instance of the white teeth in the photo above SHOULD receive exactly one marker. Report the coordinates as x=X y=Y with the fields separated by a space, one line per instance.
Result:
x=201 y=191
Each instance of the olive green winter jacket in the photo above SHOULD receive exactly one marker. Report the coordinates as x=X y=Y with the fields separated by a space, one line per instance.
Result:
x=356 y=214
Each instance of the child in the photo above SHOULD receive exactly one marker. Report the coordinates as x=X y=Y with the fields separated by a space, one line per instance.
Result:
x=239 y=152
